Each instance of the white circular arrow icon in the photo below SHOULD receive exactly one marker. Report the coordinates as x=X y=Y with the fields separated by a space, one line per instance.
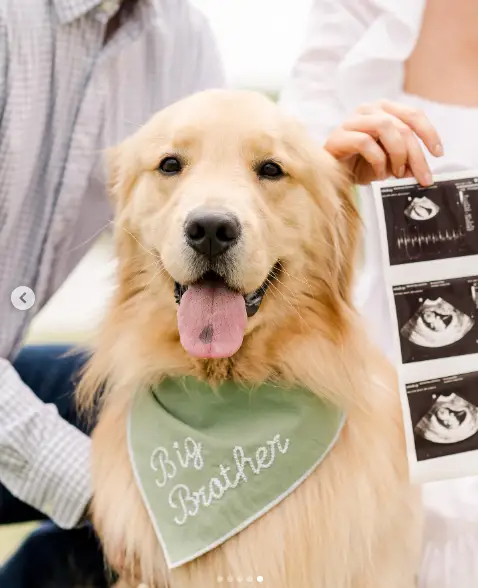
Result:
x=23 y=298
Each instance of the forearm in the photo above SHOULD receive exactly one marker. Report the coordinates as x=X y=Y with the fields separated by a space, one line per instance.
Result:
x=44 y=461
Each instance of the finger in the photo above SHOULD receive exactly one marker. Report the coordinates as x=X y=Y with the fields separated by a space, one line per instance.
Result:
x=417 y=162
x=384 y=128
x=418 y=122
x=344 y=144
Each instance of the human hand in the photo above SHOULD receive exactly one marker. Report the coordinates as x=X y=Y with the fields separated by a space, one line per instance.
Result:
x=380 y=140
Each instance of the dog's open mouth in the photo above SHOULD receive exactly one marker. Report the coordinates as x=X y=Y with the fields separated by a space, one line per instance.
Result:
x=212 y=317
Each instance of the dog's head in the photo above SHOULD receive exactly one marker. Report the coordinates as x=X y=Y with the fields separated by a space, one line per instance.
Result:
x=230 y=217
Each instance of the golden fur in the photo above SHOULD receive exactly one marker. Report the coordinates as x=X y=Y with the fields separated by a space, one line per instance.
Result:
x=355 y=522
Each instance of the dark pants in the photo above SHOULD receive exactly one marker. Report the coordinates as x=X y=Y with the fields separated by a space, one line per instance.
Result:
x=51 y=557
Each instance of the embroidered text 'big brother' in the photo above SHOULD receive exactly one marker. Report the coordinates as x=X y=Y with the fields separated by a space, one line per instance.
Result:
x=208 y=463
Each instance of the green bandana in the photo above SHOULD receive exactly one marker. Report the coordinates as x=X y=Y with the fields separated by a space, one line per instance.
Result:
x=209 y=463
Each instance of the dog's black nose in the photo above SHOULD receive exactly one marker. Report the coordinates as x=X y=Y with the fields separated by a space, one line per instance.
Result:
x=211 y=233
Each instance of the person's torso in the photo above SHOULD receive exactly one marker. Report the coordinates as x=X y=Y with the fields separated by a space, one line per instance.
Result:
x=442 y=65
x=67 y=96
x=372 y=71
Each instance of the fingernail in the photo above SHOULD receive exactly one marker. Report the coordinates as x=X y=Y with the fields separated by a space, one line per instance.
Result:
x=401 y=172
x=428 y=179
x=438 y=150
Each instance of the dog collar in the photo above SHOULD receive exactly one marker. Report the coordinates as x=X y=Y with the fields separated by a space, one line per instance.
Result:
x=210 y=462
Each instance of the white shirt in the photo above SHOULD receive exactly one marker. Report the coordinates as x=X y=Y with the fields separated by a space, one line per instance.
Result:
x=65 y=95
x=354 y=53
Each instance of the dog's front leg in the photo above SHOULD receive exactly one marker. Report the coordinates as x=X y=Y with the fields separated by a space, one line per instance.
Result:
x=118 y=511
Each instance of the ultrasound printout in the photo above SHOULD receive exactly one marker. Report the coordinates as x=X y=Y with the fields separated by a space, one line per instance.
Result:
x=437 y=319
x=429 y=246
x=444 y=415
x=431 y=223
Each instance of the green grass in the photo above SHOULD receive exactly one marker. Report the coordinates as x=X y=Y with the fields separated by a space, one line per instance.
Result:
x=11 y=536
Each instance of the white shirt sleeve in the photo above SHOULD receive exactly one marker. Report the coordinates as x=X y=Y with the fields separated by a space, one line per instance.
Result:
x=311 y=93
x=44 y=461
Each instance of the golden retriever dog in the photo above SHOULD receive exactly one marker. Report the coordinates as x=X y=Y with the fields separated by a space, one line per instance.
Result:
x=280 y=220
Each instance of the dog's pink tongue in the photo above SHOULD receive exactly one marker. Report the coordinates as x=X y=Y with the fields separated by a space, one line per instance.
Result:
x=211 y=321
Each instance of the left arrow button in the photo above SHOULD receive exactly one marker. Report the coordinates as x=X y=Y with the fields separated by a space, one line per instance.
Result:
x=23 y=298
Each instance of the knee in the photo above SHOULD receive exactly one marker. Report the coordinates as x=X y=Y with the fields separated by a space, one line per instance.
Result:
x=54 y=557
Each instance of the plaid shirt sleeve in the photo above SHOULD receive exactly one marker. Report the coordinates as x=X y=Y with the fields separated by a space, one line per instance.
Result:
x=44 y=461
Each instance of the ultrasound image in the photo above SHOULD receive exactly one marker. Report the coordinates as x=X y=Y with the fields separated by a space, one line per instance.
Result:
x=421 y=209
x=438 y=222
x=437 y=319
x=444 y=414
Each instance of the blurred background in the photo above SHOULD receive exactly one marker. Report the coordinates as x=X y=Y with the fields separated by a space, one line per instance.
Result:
x=259 y=41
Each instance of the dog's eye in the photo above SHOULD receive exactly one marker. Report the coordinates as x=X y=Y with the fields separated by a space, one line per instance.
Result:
x=170 y=166
x=270 y=170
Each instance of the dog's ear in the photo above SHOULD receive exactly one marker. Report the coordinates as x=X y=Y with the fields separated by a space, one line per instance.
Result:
x=120 y=173
x=121 y=165
x=334 y=192
x=335 y=195
x=346 y=233
x=112 y=158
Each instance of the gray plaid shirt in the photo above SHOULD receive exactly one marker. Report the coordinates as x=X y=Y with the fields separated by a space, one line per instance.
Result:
x=64 y=96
